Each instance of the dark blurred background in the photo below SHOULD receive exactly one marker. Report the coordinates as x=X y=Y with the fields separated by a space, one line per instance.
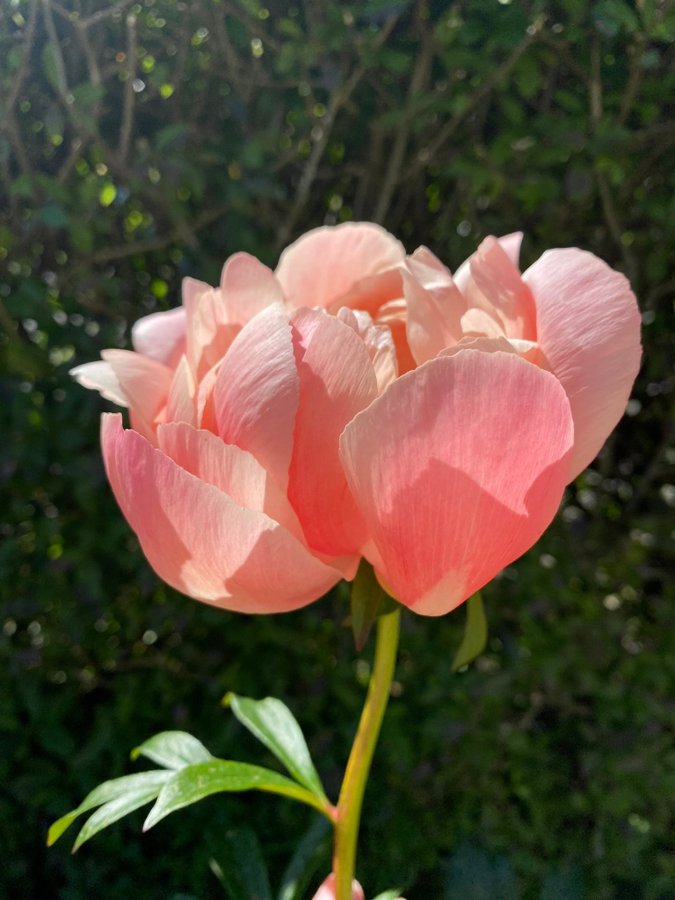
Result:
x=140 y=143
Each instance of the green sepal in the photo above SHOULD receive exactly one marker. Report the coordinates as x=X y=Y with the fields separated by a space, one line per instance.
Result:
x=475 y=633
x=368 y=600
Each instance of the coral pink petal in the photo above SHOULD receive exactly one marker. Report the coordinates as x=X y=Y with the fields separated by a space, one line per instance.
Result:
x=145 y=383
x=496 y=285
x=528 y=350
x=327 y=890
x=232 y=470
x=371 y=293
x=478 y=322
x=180 y=404
x=337 y=380
x=199 y=540
x=256 y=392
x=458 y=468
x=589 y=333
x=378 y=341
x=210 y=331
x=247 y=287
x=161 y=336
x=510 y=244
x=325 y=263
x=99 y=376
x=435 y=308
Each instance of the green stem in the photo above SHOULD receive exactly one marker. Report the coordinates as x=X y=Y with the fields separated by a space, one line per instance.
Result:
x=358 y=766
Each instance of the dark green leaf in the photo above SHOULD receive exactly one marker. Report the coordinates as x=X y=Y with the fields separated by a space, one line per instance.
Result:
x=311 y=852
x=475 y=633
x=240 y=867
x=272 y=722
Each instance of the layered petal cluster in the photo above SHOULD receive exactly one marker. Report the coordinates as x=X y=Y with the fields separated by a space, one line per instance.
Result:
x=361 y=402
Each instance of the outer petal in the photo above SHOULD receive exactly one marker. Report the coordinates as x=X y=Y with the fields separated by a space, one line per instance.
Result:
x=180 y=404
x=232 y=470
x=325 y=263
x=247 y=287
x=458 y=468
x=100 y=376
x=199 y=540
x=337 y=380
x=145 y=383
x=588 y=327
x=256 y=391
x=161 y=336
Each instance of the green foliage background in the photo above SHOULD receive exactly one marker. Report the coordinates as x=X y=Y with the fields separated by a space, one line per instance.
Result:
x=142 y=143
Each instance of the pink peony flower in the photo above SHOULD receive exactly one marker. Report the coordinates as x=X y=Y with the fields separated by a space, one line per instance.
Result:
x=427 y=422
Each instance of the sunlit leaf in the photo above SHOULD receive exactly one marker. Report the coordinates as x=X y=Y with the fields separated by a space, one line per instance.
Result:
x=275 y=726
x=173 y=749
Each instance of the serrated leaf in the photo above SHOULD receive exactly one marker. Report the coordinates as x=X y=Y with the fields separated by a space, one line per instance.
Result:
x=240 y=867
x=193 y=783
x=475 y=633
x=312 y=851
x=143 y=784
x=173 y=750
x=274 y=725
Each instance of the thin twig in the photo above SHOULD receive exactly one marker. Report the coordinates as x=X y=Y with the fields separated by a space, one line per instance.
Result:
x=140 y=247
x=429 y=152
x=129 y=95
x=395 y=165
x=338 y=99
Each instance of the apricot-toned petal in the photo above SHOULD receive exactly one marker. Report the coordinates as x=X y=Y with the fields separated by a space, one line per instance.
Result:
x=371 y=293
x=99 y=376
x=161 y=335
x=256 y=392
x=180 y=404
x=337 y=380
x=528 y=350
x=325 y=263
x=458 y=468
x=589 y=333
x=232 y=470
x=496 y=285
x=210 y=332
x=145 y=383
x=327 y=890
x=510 y=244
x=206 y=404
x=434 y=309
x=480 y=323
x=200 y=540
x=378 y=341
x=247 y=287
x=424 y=256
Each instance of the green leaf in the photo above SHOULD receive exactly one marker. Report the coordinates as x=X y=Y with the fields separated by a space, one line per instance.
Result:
x=272 y=723
x=367 y=600
x=115 y=810
x=475 y=633
x=393 y=894
x=312 y=851
x=240 y=868
x=173 y=750
x=144 y=784
x=193 y=783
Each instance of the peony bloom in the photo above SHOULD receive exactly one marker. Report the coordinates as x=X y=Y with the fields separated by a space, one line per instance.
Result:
x=360 y=402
